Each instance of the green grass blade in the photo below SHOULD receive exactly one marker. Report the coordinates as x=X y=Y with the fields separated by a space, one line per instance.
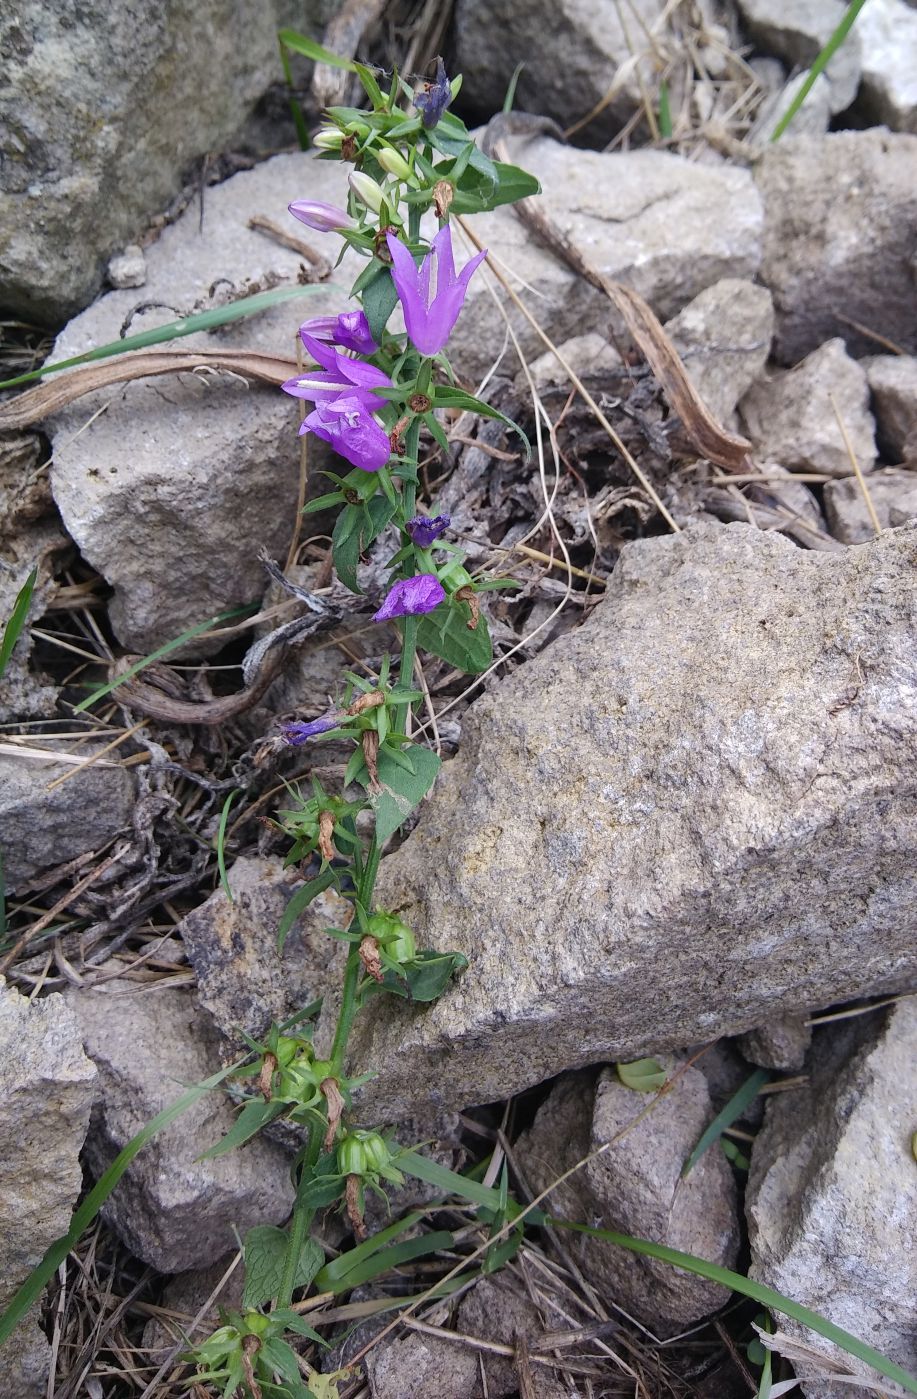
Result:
x=392 y=1257
x=169 y=646
x=665 y=111
x=818 y=67
x=413 y=1164
x=510 y=96
x=775 y=1301
x=299 y=43
x=13 y=629
x=221 y=844
x=726 y=1116
x=299 y=121
x=337 y=1268
x=30 y=1291
x=174 y=330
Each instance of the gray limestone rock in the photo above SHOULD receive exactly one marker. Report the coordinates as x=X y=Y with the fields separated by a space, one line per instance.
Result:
x=893 y=385
x=812 y=119
x=888 y=38
x=40 y=829
x=894 y=498
x=778 y=1044
x=104 y=108
x=791 y=416
x=46 y=1085
x=832 y=1192
x=724 y=336
x=838 y=238
x=798 y=33
x=499 y=1309
x=128 y=268
x=172 y=1210
x=717 y=763
x=635 y=1186
x=416 y=1366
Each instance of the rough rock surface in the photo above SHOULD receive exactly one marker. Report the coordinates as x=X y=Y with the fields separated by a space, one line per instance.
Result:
x=799 y=32
x=30 y=537
x=186 y=1295
x=570 y=60
x=41 y=829
x=724 y=336
x=636 y=1187
x=780 y=1044
x=243 y=982
x=791 y=418
x=812 y=119
x=820 y=193
x=894 y=498
x=893 y=385
x=832 y=1191
x=499 y=1309
x=103 y=110
x=172 y=1210
x=888 y=38
x=416 y=1366
x=718 y=761
x=46 y=1086
x=171 y=492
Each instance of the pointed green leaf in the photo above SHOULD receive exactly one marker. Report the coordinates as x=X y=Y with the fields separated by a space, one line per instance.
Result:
x=13 y=629
x=254 y=1115
x=300 y=902
x=401 y=790
x=732 y=1111
x=643 y=1075
x=265 y=1249
x=379 y=300
x=445 y=632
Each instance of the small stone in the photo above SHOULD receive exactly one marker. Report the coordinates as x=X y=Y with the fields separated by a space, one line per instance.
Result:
x=839 y=211
x=46 y=1085
x=636 y=1187
x=812 y=119
x=798 y=33
x=893 y=385
x=888 y=38
x=791 y=417
x=418 y=1366
x=586 y=355
x=42 y=828
x=172 y=1210
x=832 y=1193
x=128 y=269
x=243 y=982
x=498 y=1309
x=780 y=1044
x=894 y=498
x=724 y=337
x=185 y=1295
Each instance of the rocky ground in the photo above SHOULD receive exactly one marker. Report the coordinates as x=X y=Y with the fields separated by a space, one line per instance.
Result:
x=678 y=817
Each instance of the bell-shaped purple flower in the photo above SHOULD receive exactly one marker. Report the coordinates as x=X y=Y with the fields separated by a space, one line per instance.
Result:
x=430 y=316
x=410 y=597
x=340 y=374
x=299 y=732
x=346 y=423
x=350 y=331
x=324 y=218
x=424 y=529
x=435 y=97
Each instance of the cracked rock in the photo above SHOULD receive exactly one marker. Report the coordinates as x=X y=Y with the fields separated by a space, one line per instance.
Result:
x=893 y=495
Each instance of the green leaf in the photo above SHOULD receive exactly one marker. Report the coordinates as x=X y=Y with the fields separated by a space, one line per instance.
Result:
x=221 y=844
x=643 y=1075
x=732 y=1111
x=381 y=1262
x=401 y=790
x=302 y=44
x=445 y=633
x=451 y=1183
x=822 y=60
x=477 y=195
x=254 y=1115
x=424 y=979
x=28 y=1294
x=13 y=629
x=446 y=396
x=323 y=502
x=265 y=1249
x=331 y=1276
x=281 y=1358
x=292 y=1321
x=379 y=301
x=345 y=546
x=300 y=902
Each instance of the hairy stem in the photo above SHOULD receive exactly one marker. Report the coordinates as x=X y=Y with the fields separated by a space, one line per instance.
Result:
x=365 y=886
x=302 y=1218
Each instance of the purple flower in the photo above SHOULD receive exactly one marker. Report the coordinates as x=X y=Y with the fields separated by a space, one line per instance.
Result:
x=350 y=330
x=435 y=97
x=424 y=530
x=347 y=424
x=325 y=218
x=299 y=732
x=429 y=319
x=411 y=597
x=339 y=375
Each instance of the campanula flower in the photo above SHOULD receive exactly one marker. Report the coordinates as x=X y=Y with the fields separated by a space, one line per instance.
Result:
x=410 y=597
x=325 y=218
x=424 y=529
x=429 y=318
x=435 y=97
x=350 y=330
x=299 y=732
x=339 y=375
x=347 y=424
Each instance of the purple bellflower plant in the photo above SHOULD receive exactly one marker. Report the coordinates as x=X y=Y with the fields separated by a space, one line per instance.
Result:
x=410 y=597
x=425 y=529
x=300 y=732
x=346 y=424
x=430 y=317
x=350 y=331
x=434 y=97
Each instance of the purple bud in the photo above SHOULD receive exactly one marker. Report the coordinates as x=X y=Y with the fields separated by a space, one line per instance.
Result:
x=325 y=218
x=424 y=529
x=298 y=732
x=411 y=597
x=435 y=97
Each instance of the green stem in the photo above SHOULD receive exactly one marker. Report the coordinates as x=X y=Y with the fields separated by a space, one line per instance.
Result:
x=302 y=1218
x=348 y=1010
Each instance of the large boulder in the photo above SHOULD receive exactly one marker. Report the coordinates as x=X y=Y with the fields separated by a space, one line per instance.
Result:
x=103 y=110
x=692 y=814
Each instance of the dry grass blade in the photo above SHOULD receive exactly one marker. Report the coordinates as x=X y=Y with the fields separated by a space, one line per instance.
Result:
x=49 y=398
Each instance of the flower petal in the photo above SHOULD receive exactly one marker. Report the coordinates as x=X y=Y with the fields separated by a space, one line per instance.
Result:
x=410 y=597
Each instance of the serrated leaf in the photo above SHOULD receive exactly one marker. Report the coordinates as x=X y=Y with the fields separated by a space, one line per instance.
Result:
x=254 y=1115
x=300 y=902
x=265 y=1249
x=401 y=790
x=643 y=1075
x=445 y=633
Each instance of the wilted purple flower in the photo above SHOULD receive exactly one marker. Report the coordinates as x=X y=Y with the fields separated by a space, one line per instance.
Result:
x=424 y=529
x=435 y=97
x=350 y=330
x=429 y=319
x=325 y=218
x=348 y=425
x=410 y=597
x=298 y=732
x=339 y=375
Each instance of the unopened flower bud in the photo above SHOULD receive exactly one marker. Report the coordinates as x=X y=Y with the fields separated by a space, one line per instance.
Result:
x=325 y=218
x=362 y=1153
x=394 y=163
x=366 y=190
x=328 y=139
